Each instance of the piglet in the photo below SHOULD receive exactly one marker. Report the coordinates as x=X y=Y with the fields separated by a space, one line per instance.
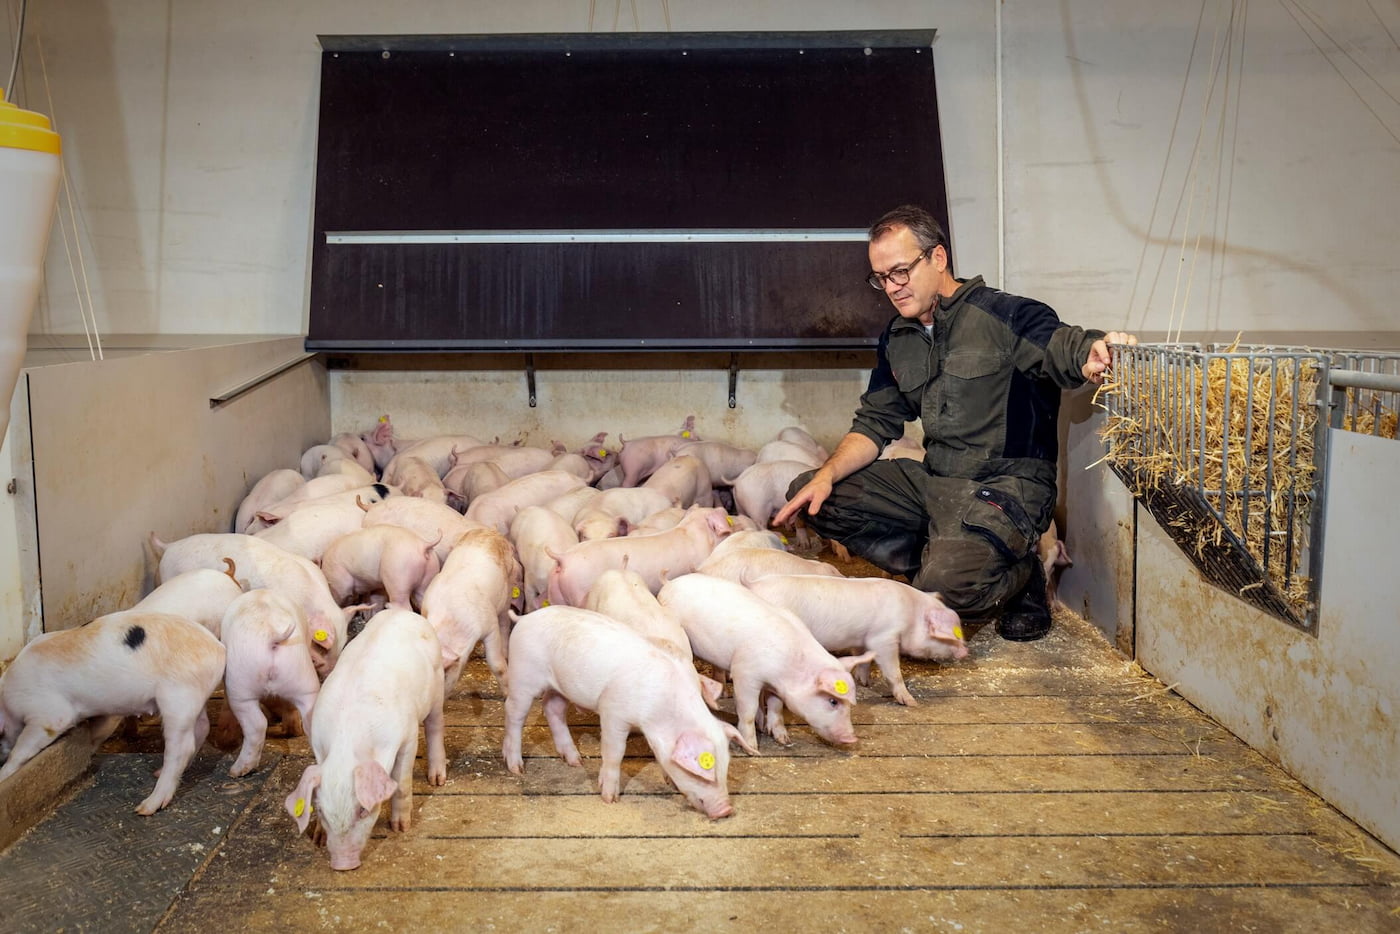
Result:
x=640 y=456
x=761 y=645
x=675 y=551
x=497 y=508
x=724 y=461
x=269 y=655
x=1053 y=556
x=380 y=442
x=535 y=531
x=886 y=617
x=271 y=488
x=265 y=565
x=381 y=559
x=762 y=489
x=416 y=477
x=430 y=521
x=684 y=480
x=614 y=512
x=365 y=735
x=469 y=600
x=572 y=655
x=623 y=595
x=356 y=449
x=735 y=563
x=123 y=664
x=201 y=596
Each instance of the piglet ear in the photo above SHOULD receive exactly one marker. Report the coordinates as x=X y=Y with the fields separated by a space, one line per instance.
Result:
x=299 y=801
x=736 y=737
x=373 y=786
x=849 y=662
x=324 y=636
x=695 y=754
x=384 y=431
x=837 y=684
x=943 y=623
x=710 y=689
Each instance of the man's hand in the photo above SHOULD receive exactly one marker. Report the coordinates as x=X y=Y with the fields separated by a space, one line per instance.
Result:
x=812 y=496
x=1101 y=358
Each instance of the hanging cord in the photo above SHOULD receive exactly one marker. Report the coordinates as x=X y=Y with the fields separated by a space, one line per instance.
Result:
x=14 y=63
x=1320 y=27
x=86 y=310
x=1191 y=178
x=1162 y=179
x=1226 y=49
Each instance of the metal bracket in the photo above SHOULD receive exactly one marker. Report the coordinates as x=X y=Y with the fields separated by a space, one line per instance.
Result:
x=733 y=378
x=530 y=377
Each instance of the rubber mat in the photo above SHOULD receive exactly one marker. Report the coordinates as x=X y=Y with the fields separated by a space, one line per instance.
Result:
x=96 y=865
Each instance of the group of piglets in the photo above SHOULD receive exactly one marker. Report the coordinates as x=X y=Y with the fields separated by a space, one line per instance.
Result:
x=593 y=577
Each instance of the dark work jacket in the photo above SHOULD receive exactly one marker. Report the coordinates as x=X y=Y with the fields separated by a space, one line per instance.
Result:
x=986 y=384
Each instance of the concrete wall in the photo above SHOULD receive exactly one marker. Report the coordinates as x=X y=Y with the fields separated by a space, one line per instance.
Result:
x=189 y=133
x=1323 y=707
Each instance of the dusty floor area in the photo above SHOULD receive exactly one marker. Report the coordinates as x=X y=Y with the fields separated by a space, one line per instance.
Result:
x=1048 y=786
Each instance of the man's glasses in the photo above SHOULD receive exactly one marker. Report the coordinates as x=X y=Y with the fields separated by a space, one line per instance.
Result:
x=899 y=275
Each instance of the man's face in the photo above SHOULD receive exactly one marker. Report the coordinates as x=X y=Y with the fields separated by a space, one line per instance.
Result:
x=898 y=249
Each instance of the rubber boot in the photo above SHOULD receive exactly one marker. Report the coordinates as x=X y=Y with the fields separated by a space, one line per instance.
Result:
x=1027 y=616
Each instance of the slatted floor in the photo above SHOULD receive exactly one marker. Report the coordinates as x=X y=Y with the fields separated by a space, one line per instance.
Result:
x=1049 y=786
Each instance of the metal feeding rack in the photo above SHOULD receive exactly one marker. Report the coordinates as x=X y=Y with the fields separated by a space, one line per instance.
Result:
x=1227 y=449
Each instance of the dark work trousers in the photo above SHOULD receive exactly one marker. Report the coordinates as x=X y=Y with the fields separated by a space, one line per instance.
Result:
x=972 y=542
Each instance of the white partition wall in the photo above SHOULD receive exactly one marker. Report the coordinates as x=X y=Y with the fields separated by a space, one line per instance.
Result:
x=1324 y=707
x=126 y=446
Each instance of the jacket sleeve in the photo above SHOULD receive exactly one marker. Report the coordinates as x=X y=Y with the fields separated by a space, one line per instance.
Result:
x=883 y=410
x=1050 y=348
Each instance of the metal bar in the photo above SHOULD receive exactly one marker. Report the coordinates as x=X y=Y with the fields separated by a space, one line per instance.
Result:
x=1321 y=439
x=733 y=379
x=241 y=388
x=1359 y=379
x=1249 y=459
x=530 y=377
x=630 y=41
x=362 y=237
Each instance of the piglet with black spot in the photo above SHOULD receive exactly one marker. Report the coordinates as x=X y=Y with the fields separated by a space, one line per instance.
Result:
x=123 y=664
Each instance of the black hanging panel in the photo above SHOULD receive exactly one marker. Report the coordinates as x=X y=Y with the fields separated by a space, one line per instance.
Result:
x=633 y=191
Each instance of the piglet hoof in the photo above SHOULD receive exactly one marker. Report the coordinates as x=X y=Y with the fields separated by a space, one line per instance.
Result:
x=516 y=766
x=401 y=824
x=438 y=778
x=151 y=805
x=780 y=735
x=241 y=768
x=573 y=759
x=905 y=698
x=315 y=832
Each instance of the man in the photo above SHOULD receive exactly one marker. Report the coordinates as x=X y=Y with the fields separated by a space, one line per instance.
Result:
x=983 y=370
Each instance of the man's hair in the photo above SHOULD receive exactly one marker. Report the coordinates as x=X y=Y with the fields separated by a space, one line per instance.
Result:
x=925 y=228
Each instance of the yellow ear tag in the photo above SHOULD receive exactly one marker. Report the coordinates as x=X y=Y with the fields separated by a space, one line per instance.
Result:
x=515 y=593
x=957 y=631
x=321 y=635
x=842 y=687
x=544 y=603
x=685 y=434
x=383 y=419
x=602 y=452
x=729 y=519
x=706 y=760
x=300 y=807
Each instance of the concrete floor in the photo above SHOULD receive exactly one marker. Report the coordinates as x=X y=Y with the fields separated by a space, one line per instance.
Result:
x=1048 y=786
